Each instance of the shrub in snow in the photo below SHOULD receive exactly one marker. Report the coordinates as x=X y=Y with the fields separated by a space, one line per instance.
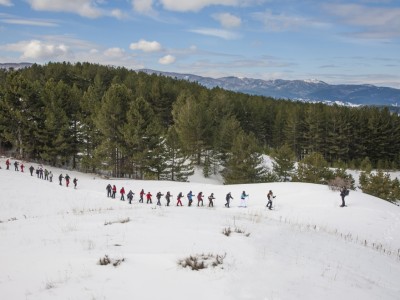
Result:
x=202 y=261
x=104 y=261
x=122 y=221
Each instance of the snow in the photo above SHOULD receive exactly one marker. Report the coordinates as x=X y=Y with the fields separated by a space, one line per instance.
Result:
x=308 y=247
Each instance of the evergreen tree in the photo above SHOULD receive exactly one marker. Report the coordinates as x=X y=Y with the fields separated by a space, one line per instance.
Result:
x=245 y=163
x=178 y=164
x=313 y=169
x=284 y=162
x=110 y=120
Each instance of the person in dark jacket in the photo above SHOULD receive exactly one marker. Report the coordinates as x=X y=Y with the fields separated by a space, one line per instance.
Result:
x=31 y=169
x=210 y=200
x=270 y=196
x=168 y=197
x=60 y=178
x=75 y=182
x=16 y=165
x=109 y=189
x=343 y=193
x=130 y=196
x=158 y=196
x=228 y=199
x=141 y=196
x=67 y=178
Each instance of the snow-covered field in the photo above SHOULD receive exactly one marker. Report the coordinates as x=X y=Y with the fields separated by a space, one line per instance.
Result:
x=52 y=238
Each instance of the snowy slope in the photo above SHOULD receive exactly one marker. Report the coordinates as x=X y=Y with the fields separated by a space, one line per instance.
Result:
x=52 y=238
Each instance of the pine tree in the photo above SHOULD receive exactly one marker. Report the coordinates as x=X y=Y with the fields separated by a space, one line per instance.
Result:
x=110 y=120
x=284 y=161
x=178 y=164
x=313 y=169
x=245 y=163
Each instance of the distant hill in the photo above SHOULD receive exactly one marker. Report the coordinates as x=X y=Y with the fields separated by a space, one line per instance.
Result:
x=304 y=90
x=15 y=66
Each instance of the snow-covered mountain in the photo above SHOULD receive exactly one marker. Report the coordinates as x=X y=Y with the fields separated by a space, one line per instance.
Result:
x=304 y=90
x=53 y=238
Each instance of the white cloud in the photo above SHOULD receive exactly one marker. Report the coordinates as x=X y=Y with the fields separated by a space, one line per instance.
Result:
x=6 y=2
x=167 y=60
x=84 y=8
x=197 y=5
x=36 y=49
x=146 y=46
x=118 y=14
x=283 y=22
x=142 y=6
x=220 y=33
x=371 y=21
x=228 y=20
x=114 y=52
x=43 y=23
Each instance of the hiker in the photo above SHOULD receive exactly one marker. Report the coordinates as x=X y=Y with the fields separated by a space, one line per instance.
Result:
x=114 y=191
x=270 y=196
x=210 y=200
x=228 y=198
x=51 y=176
x=16 y=165
x=75 y=182
x=109 y=189
x=122 y=192
x=31 y=168
x=180 y=196
x=67 y=180
x=141 y=196
x=22 y=168
x=8 y=164
x=190 y=198
x=158 y=196
x=168 y=197
x=46 y=174
x=343 y=193
x=148 y=198
x=41 y=173
x=200 y=199
x=130 y=196
x=60 y=178
x=243 y=199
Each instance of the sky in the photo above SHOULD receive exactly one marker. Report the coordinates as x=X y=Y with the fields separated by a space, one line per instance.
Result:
x=353 y=41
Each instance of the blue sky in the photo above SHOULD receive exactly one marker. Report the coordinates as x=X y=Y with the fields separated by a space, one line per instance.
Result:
x=353 y=41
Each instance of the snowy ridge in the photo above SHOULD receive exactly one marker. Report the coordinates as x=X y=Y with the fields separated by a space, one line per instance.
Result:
x=306 y=248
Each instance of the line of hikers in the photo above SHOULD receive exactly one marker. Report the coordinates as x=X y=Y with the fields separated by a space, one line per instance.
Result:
x=112 y=191
x=42 y=173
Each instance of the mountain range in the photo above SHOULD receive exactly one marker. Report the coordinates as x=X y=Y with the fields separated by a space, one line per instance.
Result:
x=300 y=90
x=303 y=90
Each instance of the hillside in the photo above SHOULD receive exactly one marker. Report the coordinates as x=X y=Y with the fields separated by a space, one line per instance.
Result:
x=307 y=248
x=304 y=90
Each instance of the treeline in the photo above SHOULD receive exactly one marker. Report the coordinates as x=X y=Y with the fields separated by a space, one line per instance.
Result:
x=95 y=117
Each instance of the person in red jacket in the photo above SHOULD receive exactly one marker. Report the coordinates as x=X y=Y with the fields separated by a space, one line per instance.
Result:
x=122 y=192
x=148 y=197
x=22 y=168
x=8 y=164
x=180 y=196
x=200 y=199
x=114 y=191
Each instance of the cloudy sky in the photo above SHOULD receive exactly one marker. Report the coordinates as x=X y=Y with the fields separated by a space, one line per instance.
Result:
x=353 y=41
